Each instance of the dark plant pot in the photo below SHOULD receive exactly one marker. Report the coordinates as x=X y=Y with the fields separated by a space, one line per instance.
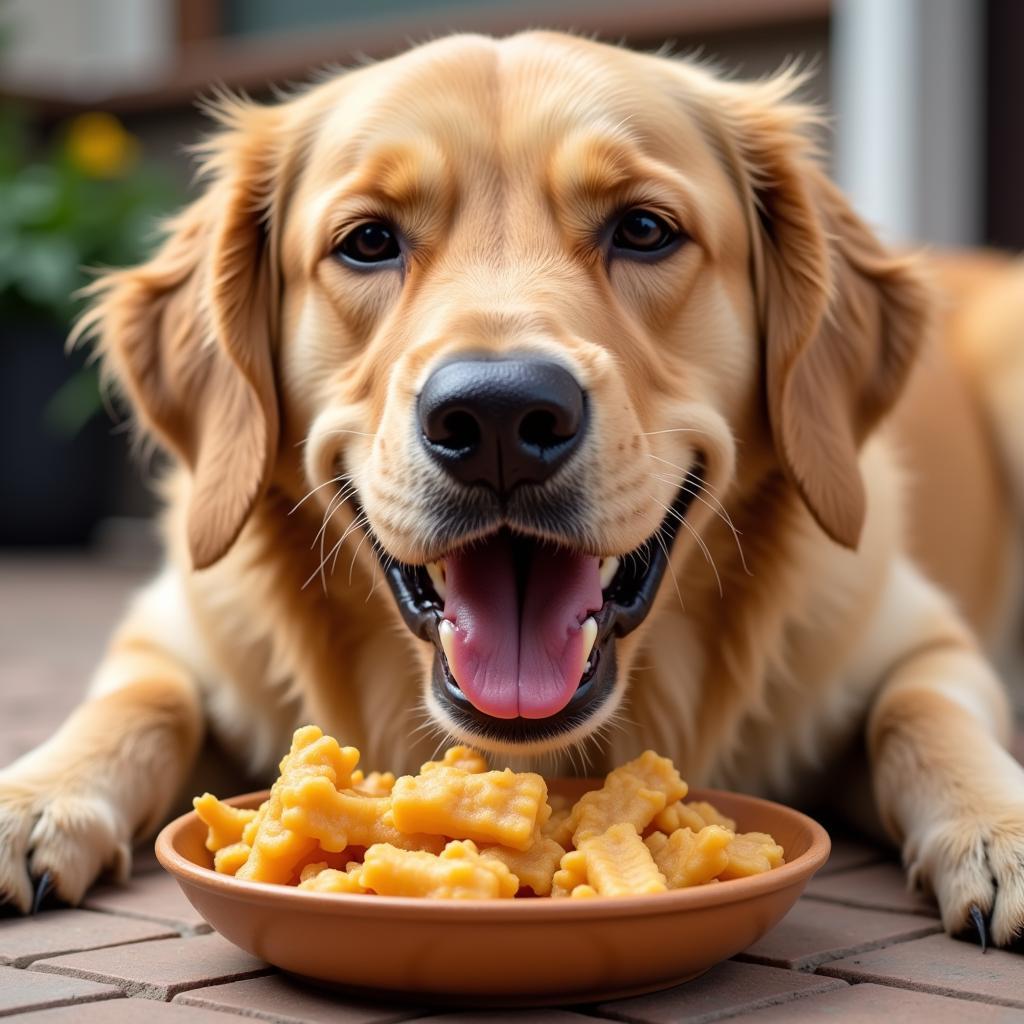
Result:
x=56 y=487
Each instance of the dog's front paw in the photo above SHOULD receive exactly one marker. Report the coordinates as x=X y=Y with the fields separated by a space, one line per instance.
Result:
x=975 y=868
x=54 y=835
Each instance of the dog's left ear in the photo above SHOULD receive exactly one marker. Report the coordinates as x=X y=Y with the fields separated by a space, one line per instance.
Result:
x=841 y=317
x=188 y=335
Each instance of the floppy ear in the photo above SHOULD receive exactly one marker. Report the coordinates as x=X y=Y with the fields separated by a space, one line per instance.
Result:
x=841 y=318
x=188 y=335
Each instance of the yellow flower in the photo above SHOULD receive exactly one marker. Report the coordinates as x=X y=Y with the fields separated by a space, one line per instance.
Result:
x=99 y=146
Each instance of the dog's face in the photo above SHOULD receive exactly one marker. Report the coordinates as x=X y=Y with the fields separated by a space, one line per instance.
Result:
x=518 y=300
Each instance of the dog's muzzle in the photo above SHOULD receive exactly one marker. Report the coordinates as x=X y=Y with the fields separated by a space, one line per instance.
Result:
x=524 y=631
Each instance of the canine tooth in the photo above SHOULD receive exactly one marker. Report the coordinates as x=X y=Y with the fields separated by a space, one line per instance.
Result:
x=607 y=569
x=588 y=627
x=446 y=633
x=435 y=570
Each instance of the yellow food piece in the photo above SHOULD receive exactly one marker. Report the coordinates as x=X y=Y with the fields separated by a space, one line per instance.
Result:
x=658 y=773
x=459 y=872
x=276 y=849
x=558 y=802
x=619 y=864
x=466 y=758
x=374 y=784
x=534 y=867
x=321 y=878
x=335 y=819
x=695 y=815
x=225 y=823
x=688 y=858
x=228 y=859
x=249 y=832
x=557 y=827
x=752 y=853
x=327 y=826
x=623 y=798
x=634 y=793
x=571 y=874
x=488 y=807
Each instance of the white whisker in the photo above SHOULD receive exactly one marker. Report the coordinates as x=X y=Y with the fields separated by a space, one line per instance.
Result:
x=689 y=481
x=700 y=541
x=330 y=433
x=668 y=563
x=309 y=494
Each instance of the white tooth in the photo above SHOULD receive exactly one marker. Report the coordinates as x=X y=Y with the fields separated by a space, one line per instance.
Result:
x=608 y=568
x=435 y=570
x=589 y=630
x=446 y=633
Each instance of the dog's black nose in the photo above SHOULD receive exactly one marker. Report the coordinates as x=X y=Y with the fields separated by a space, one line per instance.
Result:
x=501 y=422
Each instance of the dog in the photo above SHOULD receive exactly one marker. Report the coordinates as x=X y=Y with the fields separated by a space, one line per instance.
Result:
x=548 y=397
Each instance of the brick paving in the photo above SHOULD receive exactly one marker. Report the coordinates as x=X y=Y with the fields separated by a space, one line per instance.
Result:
x=857 y=947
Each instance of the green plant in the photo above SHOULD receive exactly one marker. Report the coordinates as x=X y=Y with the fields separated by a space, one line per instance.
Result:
x=84 y=200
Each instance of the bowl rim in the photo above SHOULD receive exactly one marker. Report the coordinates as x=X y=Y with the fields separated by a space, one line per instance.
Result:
x=793 y=872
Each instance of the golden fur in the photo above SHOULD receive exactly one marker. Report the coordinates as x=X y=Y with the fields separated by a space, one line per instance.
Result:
x=836 y=582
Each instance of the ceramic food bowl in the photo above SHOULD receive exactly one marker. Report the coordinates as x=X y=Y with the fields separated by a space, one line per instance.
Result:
x=502 y=952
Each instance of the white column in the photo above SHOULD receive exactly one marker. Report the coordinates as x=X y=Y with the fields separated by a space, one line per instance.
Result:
x=908 y=100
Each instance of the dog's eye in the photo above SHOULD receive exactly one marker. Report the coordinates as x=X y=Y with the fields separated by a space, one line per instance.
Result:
x=643 y=231
x=372 y=242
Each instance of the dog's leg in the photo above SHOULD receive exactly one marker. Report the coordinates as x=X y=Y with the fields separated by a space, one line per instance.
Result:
x=946 y=787
x=72 y=806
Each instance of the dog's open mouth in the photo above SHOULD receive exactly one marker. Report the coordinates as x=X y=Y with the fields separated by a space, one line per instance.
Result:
x=524 y=630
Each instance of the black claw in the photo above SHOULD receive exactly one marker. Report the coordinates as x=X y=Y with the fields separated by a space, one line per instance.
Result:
x=978 y=918
x=43 y=886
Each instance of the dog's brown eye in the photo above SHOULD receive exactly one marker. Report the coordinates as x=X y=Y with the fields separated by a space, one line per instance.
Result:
x=372 y=242
x=642 y=231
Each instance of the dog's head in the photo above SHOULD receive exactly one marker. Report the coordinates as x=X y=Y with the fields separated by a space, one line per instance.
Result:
x=522 y=300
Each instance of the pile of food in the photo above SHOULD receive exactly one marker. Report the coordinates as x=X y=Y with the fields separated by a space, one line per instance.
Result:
x=458 y=830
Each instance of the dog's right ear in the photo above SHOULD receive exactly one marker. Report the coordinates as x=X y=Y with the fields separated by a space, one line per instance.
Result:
x=841 y=318
x=188 y=335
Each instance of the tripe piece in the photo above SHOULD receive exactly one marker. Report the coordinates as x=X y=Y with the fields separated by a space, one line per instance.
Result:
x=225 y=823
x=695 y=815
x=276 y=849
x=250 y=830
x=466 y=758
x=752 y=853
x=633 y=793
x=557 y=827
x=314 y=807
x=374 y=784
x=228 y=859
x=321 y=878
x=688 y=858
x=658 y=773
x=488 y=807
x=619 y=864
x=571 y=874
x=534 y=867
x=458 y=873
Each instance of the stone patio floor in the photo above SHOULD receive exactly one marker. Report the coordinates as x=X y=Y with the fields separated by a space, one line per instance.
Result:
x=857 y=946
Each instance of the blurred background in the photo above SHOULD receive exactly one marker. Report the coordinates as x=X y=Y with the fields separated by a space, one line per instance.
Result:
x=97 y=106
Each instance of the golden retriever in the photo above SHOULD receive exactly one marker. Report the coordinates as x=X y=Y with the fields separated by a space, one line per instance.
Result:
x=533 y=392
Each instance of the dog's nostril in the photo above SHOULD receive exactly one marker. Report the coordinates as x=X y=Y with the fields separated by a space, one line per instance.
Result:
x=460 y=431
x=539 y=429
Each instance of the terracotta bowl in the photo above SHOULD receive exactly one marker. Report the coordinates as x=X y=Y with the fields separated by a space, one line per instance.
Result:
x=498 y=952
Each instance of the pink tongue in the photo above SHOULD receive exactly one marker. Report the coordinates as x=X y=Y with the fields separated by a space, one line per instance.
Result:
x=509 y=662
